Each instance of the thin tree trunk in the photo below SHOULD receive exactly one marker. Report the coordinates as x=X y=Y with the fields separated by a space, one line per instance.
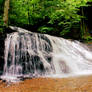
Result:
x=84 y=28
x=82 y=24
x=6 y=11
x=28 y=15
x=28 y=12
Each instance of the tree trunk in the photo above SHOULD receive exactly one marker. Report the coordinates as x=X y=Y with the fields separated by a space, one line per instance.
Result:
x=84 y=28
x=82 y=24
x=6 y=11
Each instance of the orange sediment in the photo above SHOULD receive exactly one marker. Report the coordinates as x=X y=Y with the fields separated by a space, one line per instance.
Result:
x=77 y=84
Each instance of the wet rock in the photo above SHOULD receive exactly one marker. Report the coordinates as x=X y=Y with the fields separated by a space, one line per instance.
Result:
x=3 y=35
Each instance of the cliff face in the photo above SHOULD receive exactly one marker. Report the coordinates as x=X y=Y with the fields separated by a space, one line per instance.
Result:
x=2 y=39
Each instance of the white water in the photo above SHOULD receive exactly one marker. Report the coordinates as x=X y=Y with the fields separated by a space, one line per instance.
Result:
x=30 y=54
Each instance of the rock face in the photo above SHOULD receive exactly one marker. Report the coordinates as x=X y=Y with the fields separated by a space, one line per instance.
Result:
x=2 y=39
x=31 y=54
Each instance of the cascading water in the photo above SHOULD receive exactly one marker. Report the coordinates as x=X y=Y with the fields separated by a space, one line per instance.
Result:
x=30 y=54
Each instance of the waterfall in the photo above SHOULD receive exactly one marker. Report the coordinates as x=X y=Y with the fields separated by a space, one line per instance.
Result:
x=30 y=54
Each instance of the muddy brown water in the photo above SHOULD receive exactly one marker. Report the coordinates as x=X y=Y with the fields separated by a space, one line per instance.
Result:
x=77 y=84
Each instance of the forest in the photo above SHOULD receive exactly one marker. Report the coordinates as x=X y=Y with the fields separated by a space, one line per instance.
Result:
x=64 y=18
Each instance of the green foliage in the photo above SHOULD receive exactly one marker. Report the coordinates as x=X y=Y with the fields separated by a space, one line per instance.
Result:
x=1 y=16
x=1 y=10
x=24 y=11
x=45 y=29
x=58 y=14
x=66 y=14
x=1 y=30
x=87 y=38
x=1 y=24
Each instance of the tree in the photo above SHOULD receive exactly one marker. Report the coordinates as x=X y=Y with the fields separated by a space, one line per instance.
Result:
x=66 y=14
x=84 y=29
x=47 y=15
x=23 y=12
x=6 y=11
